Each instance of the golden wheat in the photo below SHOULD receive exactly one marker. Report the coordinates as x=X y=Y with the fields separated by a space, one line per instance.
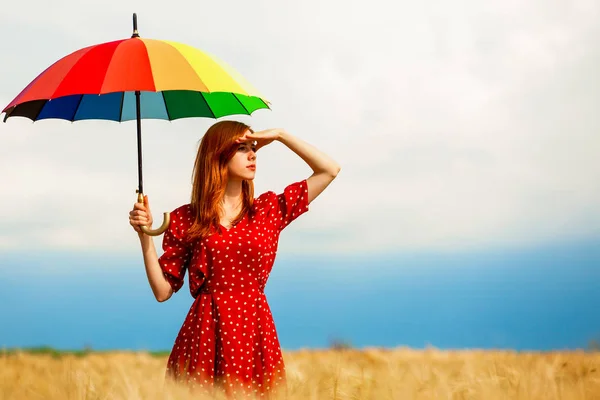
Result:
x=327 y=374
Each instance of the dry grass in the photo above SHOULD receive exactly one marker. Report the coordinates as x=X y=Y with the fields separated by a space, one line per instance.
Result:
x=342 y=375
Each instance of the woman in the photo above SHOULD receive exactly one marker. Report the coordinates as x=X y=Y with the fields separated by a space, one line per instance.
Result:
x=227 y=240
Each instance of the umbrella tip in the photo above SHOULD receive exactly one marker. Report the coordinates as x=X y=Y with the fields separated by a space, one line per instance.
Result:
x=135 y=30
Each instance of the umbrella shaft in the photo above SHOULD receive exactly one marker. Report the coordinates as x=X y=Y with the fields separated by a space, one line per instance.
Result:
x=139 y=141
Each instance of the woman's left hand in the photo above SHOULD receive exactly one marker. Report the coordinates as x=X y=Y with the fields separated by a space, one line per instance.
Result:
x=262 y=138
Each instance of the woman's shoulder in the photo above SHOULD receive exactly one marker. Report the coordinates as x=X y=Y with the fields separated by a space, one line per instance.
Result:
x=182 y=213
x=265 y=200
x=270 y=196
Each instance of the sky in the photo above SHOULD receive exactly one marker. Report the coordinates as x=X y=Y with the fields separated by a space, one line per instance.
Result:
x=466 y=133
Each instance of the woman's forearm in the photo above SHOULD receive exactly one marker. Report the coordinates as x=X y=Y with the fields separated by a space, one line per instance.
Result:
x=160 y=286
x=316 y=159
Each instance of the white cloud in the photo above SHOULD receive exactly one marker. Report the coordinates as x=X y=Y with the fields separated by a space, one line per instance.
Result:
x=457 y=125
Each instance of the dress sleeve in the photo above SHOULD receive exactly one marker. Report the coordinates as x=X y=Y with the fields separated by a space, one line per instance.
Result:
x=176 y=256
x=292 y=203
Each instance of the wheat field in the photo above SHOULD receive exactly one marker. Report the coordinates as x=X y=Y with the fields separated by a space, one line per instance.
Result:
x=319 y=374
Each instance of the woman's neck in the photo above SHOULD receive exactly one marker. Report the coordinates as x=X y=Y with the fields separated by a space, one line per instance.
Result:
x=233 y=195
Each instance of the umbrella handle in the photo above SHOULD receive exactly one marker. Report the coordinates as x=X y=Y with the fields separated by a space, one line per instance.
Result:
x=155 y=232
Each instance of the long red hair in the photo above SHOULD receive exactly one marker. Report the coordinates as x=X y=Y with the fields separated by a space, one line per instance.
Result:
x=216 y=148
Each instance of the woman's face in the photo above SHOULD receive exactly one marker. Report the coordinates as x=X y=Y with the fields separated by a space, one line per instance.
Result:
x=243 y=164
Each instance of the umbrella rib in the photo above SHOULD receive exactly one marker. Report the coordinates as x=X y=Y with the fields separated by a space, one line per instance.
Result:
x=8 y=112
x=112 y=55
x=40 y=110
x=241 y=104
x=207 y=105
x=166 y=108
x=76 y=108
x=121 y=108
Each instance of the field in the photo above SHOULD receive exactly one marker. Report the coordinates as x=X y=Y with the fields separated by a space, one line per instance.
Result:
x=326 y=374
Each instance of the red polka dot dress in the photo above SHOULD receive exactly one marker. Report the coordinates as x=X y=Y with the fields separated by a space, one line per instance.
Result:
x=228 y=339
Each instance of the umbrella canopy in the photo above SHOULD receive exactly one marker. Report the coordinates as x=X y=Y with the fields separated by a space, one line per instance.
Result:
x=99 y=82
x=135 y=79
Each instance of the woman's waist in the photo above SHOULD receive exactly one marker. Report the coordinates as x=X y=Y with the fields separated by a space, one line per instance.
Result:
x=209 y=289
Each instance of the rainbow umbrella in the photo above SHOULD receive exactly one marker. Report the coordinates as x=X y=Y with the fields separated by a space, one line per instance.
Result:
x=137 y=79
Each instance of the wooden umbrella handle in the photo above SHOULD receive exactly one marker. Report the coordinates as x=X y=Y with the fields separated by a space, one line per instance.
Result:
x=155 y=232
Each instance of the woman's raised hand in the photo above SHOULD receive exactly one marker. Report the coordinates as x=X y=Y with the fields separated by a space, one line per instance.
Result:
x=140 y=215
x=262 y=138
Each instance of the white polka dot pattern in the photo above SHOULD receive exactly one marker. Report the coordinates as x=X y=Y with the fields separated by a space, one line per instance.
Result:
x=228 y=339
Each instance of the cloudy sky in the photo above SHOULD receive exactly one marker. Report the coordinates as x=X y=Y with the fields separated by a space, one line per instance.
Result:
x=459 y=125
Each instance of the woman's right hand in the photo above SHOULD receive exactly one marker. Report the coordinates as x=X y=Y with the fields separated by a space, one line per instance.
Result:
x=140 y=215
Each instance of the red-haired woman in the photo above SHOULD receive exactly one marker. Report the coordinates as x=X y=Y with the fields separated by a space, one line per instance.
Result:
x=226 y=240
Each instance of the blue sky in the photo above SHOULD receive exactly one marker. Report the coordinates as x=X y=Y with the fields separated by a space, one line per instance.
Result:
x=530 y=299
x=465 y=215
